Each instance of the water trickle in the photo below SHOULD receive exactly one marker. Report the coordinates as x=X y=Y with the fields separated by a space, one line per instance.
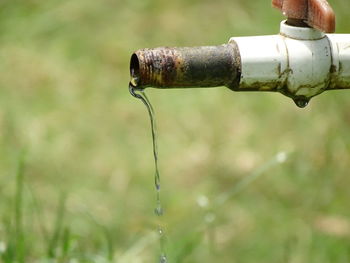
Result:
x=140 y=94
x=301 y=101
x=162 y=258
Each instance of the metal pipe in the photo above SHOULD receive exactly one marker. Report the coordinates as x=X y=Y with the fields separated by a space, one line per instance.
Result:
x=207 y=66
x=300 y=62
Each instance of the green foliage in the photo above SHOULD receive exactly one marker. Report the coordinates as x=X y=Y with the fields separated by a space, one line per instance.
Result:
x=246 y=177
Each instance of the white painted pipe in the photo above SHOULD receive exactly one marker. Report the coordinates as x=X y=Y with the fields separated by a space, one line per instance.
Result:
x=300 y=62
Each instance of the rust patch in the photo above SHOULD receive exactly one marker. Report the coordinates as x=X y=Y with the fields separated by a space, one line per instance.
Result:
x=207 y=66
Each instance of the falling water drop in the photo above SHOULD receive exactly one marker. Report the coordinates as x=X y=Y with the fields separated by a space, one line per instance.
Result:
x=159 y=209
x=163 y=259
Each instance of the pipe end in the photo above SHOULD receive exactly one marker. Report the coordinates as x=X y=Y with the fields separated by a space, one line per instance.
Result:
x=134 y=70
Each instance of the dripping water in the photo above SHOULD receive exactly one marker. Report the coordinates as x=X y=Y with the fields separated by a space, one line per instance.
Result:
x=301 y=101
x=140 y=94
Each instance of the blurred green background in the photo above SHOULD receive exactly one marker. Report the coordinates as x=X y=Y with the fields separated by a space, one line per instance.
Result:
x=246 y=177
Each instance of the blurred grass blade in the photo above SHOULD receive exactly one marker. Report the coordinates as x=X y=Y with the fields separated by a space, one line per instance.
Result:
x=136 y=249
x=37 y=211
x=110 y=244
x=19 y=235
x=107 y=234
x=66 y=244
x=9 y=254
x=241 y=185
x=58 y=227
x=189 y=243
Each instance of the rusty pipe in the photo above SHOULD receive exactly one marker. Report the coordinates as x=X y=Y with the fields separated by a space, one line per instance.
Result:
x=300 y=62
x=207 y=66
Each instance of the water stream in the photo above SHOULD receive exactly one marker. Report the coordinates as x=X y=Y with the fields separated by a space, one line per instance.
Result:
x=140 y=94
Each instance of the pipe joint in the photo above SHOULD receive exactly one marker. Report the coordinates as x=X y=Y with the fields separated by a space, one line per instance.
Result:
x=300 y=62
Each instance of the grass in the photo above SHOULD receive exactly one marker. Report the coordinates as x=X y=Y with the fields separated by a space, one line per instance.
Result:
x=83 y=189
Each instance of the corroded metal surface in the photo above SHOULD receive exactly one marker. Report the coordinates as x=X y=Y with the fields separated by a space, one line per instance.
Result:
x=207 y=66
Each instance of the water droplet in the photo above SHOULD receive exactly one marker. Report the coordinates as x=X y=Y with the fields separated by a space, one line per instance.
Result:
x=301 y=101
x=158 y=210
x=163 y=259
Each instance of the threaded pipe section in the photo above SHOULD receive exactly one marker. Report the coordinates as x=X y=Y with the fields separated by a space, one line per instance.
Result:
x=207 y=66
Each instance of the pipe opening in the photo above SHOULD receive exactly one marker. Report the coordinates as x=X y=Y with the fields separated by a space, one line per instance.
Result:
x=134 y=70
